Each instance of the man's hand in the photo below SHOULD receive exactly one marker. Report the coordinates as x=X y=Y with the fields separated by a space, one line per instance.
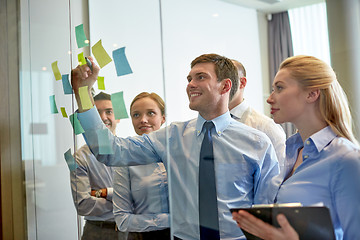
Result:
x=83 y=76
x=257 y=227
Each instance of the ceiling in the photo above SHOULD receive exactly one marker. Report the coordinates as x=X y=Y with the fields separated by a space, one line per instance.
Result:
x=273 y=6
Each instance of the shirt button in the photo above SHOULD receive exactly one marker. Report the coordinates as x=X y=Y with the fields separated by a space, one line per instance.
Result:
x=306 y=156
x=307 y=142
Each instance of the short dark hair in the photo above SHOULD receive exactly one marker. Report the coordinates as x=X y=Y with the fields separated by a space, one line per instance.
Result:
x=224 y=68
x=102 y=96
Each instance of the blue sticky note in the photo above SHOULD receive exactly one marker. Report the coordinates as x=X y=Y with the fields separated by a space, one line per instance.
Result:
x=121 y=63
x=53 y=107
x=70 y=160
x=104 y=142
x=66 y=84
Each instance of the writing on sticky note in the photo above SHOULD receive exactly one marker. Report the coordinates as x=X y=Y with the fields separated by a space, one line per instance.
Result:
x=121 y=63
x=56 y=70
x=101 y=83
x=104 y=142
x=118 y=104
x=66 y=84
x=70 y=160
x=53 y=108
x=76 y=124
x=81 y=39
x=85 y=100
x=63 y=112
x=81 y=59
x=100 y=54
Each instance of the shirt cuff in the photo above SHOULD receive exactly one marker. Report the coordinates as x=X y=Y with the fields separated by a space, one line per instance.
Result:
x=89 y=119
x=109 y=195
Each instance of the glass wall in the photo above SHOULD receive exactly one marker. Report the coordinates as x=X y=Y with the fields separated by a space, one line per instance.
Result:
x=158 y=39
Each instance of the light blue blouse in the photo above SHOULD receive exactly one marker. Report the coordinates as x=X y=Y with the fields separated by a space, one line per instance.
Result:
x=329 y=174
x=245 y=163
x=141 y=198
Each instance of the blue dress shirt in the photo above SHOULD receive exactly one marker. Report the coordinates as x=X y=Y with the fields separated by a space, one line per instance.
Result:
x=329 y=174
x=141 y=198
x=91 y=174
x=245 y=163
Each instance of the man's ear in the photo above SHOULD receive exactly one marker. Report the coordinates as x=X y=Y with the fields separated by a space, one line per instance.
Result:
x=313 y=95
x=226 y=85
x=242 y=82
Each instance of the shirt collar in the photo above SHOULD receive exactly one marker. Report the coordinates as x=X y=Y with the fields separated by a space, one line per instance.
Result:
x=322 y=138
x=221 y=122
x=239 y=110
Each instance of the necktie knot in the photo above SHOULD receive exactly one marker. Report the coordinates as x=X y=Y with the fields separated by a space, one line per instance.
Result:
x=208 y=125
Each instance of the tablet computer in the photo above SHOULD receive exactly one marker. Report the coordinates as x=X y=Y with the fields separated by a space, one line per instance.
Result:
x=309 y=222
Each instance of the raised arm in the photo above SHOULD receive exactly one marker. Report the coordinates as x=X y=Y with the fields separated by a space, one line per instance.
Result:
x=83 y=76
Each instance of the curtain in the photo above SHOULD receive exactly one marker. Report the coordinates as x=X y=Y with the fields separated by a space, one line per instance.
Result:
x=280 y=48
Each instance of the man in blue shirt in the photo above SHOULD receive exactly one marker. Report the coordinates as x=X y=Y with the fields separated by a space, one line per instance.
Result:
x=92 y=183
x=244 y=158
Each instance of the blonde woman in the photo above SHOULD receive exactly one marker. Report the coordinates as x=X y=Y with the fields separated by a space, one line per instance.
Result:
x=141 y=192
x=323 y=158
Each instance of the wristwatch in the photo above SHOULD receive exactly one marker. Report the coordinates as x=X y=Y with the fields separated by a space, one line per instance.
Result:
x=98 y=193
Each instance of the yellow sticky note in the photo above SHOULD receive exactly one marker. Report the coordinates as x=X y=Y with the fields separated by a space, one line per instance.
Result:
x=101 y=83
x=84 y=98
x=56 y=70
x=63 y=112
x=100 y=54
x=81 y=59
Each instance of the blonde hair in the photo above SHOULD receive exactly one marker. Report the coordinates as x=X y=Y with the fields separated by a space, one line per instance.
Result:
x=312 y=73
x=159 y=101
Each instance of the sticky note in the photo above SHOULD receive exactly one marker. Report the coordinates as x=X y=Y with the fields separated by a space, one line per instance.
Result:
x=85 y=98
x=100 y=54
x=101 y=83
x=81 y=39
x=76 y=124
x=63 y=112
x=53 y=107
x=118 y=104
x=70 y=160
x=81 y=59
x=66 y=84
x=121 y=63
x=104 y=142
x=56 y=70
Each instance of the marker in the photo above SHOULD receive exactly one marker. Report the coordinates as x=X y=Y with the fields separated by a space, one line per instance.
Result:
x=89 y=63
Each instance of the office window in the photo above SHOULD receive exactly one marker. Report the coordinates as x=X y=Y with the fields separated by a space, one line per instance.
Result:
x=309 y=31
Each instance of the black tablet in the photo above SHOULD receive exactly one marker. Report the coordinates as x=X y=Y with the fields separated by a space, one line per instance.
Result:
x=309 y=222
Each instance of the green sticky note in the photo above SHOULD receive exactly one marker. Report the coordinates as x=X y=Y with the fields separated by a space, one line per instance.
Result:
x=104 y=142
x=70 y=160
x=85 y=100
x=63 y=112
x=81 y=59
x=81 y=39
x=76 y=124
x=101 y=83
x=56 y=70
x=100 y=54
x=53 y=107
x=118 y=104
